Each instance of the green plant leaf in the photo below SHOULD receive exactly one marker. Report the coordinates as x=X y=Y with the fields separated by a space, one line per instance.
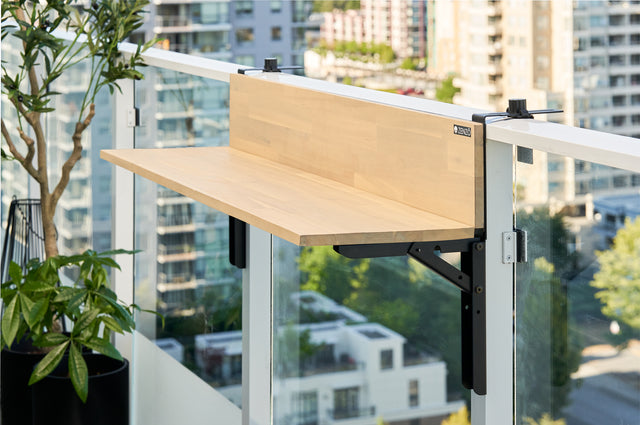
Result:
x=111 y=323
x=48 y=363
x=27 y=305
x=11 y=321
x=103 y=347
x=77 y=300
x=52 y=338
x=37 y=312
x=79 y=373
x=15 y=271
x=86 y=319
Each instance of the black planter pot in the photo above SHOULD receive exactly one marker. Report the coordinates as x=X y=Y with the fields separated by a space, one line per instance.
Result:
x=55 y=402
x=16 y=366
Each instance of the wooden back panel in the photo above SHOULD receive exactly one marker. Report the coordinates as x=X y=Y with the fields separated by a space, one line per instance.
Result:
x=407 y=156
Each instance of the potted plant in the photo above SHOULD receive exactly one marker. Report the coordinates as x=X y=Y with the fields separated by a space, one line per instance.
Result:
x=35 y=303
x=44 y=58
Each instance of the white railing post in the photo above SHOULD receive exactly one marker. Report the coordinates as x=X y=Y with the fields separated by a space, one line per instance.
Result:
x=496 y=408
x=122 y=207
x=256 y=329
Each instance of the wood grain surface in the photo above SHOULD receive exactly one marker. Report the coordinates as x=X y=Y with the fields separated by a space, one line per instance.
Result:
x=295 y=205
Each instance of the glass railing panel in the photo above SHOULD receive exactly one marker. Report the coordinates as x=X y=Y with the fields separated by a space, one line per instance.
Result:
x=577 y=358
x=374 y=340
x=83 y=215
x=183 y=269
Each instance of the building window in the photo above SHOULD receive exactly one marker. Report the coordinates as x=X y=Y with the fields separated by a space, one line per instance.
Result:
x=298 y=41
x=619 y=100
x=244 y=7
x=635 y=79
x=598 y=62
x=246 y=60
x=275 y=6
x=276 y=33
x=413 y=393
x=620 y=181
x=635 y=59
x=386 y=359
x=616 y=40
x=634 y=39
x=617 y=60
x=346 y=403
x=616 y=20
x=616 y=81
x=305 y=407
x=597 y=21
x=244 y=36
x=301 y=9
x=597 y=41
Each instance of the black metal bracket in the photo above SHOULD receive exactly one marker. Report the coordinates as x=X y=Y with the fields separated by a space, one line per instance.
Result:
x=270 y=65
x=237 y=242
x=518 y=110
x=470 y=278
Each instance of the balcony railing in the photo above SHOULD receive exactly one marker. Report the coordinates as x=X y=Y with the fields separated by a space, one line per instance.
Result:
x=341 y=414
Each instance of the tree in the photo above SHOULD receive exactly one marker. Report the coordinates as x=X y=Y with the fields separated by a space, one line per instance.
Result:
x=396 y=292
x=45 y=58
x=408 y=63
x=446 y=91
x=618 y=280
x=330 y=5
x=547 y=350
x=546 y=419
x=461 y=417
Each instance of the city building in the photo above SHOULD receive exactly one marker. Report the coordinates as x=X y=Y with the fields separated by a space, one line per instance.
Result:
x=190 y=256
x=612 y=212
x=356 y=371
x=581 y=57
x=396 y=23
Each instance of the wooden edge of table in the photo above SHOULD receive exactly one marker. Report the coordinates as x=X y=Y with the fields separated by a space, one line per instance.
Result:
x=297 y=206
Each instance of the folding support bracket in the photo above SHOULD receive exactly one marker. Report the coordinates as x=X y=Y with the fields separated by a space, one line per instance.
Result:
x=470 y=279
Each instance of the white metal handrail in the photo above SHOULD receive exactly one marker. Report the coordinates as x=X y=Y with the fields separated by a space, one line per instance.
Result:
x=579 y=143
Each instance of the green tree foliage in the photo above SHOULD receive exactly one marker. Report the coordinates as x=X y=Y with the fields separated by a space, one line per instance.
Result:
x=546 y=419
x=330 y=5
x=547 y=350
x=618 y=280
x=461 y=417
x=294 y=349
x=549 y=238
x=408 y=63
x=396 y=292
x=365 y=52
x=446 y=91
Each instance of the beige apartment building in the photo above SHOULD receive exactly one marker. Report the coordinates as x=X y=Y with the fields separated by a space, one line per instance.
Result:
x=582 y=57
x=401 y=24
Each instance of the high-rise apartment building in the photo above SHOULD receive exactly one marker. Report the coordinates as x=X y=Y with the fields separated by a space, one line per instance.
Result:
x=190 y=254
x=582 y=57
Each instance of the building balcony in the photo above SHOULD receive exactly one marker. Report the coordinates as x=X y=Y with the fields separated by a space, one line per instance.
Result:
x=351 y=413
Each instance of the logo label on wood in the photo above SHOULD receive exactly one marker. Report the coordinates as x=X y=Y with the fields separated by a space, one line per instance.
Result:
x=461 y=130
